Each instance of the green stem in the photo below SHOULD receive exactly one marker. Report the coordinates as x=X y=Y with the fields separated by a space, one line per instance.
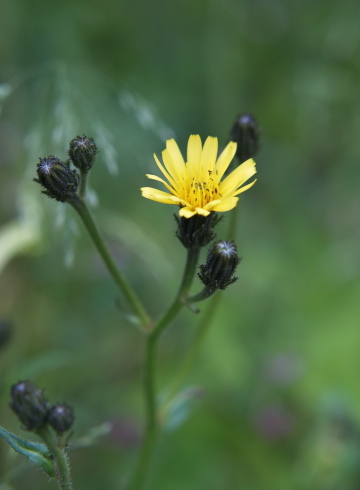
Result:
x=202 y=328
x=202 y=295
x=116 y=274
x=192 y=354
x=62 y=466
x=152 y=421
x=83 y=183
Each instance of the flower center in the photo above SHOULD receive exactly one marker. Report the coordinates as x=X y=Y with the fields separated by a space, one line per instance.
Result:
x=201 y=193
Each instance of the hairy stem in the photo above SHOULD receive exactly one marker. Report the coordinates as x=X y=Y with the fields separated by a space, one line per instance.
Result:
x=62 y=466
x=192 y=354
x=84 y=174
x=152 y=421
x=202 y=328
x=114 y=271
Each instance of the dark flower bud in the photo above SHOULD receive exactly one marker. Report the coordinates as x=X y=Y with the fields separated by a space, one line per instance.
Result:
x=5 y=332
x=58 y=180
x=29 y=404
x=245 y=133
x=61 y=417
x=82 y=151
x=221 y=262
x=197 y=230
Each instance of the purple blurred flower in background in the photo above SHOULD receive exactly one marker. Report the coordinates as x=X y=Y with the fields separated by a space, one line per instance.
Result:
x=274 y=421
x=125 y=433
x=283 y=369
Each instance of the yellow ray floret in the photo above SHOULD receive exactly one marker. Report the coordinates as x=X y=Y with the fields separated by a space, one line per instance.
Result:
x=196 y=185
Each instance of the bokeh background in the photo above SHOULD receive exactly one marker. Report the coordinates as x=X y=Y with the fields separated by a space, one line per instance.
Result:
x=277 y=378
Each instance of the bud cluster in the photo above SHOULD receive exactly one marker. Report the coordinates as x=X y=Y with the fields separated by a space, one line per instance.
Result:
x=61 y=417
x=82 y=152
x=34 y=410
x=221 y=263
x=29 y=404
x=58 y=179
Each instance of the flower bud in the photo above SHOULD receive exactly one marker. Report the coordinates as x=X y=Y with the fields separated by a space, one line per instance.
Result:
x=245 y=133
x=58 y=180
x=29 y=404
x=82 y=151
x=61 y=417
x=197 y=230
x=221 y=262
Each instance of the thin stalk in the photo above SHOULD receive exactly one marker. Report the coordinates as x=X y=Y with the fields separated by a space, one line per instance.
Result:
x=116 y=274
x=62 y=466
x=193 y=352
x=83 y=183
x=152 y=420
x=201 y=330
x=202 y=295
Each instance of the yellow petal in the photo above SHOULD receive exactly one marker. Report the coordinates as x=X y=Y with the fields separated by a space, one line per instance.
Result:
x=165 y=173
x=194 y=149
x=209 y=206
x=176 y=155
x=244 y=188
x=173 y=169
x=155 y=177
x=226 y=205
x=198 y=180
x=209 y=154
x=240 y=175
x=186 y=213
x=202 y=211
x=160 y=196
x=225 y=159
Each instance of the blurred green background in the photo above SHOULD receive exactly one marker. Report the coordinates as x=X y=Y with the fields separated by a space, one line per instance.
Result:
x=278 y=373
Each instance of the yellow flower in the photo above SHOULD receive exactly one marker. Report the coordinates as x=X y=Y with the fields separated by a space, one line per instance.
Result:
x=196 y=185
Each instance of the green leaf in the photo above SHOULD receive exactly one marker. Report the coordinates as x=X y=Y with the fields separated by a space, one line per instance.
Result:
x=34 y=451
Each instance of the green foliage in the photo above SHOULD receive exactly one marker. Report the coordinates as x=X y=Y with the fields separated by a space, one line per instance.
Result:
x=35 y=452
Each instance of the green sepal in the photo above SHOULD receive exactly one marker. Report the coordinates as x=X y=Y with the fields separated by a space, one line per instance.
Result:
x=181 y=407
x=193 y=308
x=34 y=451
x=128 y=317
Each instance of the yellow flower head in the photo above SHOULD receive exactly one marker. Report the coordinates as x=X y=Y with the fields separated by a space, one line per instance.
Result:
x=196 y=185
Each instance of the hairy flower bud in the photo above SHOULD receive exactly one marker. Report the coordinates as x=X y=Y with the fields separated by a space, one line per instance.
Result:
x=57 y=179
x=197 y=230
x=245 y=133
x=29 y=404
x=82 y=151
x=221 y=262
x=61 y=417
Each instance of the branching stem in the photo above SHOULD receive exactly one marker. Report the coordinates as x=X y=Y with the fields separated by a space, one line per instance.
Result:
x=152 y=419
x=114 y=271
